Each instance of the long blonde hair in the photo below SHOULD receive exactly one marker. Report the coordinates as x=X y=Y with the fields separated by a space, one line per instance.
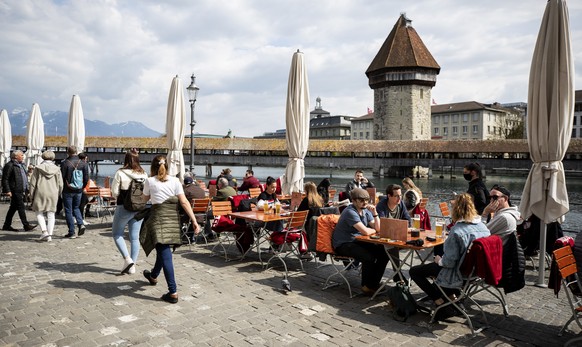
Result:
x=313 y=198
x=159 y=168
x=464 y=208
x=408 y=181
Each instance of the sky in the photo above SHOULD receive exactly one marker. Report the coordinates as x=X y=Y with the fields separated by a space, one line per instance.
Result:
x=120 y=56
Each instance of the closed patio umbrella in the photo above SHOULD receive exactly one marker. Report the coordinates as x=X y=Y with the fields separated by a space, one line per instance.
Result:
x=34 y=136
x=297 y=124
x=5 y=138
x=176 y=128
x=76 y=130
x=549 y=126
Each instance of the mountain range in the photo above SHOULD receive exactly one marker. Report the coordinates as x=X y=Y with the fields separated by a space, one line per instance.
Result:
x=56 y=123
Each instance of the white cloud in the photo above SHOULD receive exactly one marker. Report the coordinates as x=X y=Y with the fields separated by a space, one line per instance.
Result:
x=120 y=56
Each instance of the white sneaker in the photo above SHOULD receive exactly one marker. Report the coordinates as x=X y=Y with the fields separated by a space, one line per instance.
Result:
x=49 y=239
x=44 y=237
x=85 y=222
x=127 y=265
x=131 y=270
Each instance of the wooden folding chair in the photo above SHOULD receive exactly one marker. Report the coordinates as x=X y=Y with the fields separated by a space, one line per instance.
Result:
x=296 y=198
x=571 y=282
x=325 y=227
x=201 y=184
x=254 y=192
x=445 y=212
x=107 y=202
x=293 y=231
x=489 y=247
x=212 y=190
x=200 y=207
x=331 y=193
x=226 y=239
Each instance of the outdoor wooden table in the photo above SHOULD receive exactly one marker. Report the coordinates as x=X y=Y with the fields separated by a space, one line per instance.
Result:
x=402 y=245
x=259 y=231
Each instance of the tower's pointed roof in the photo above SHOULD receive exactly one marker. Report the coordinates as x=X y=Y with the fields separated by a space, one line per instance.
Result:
x=402 y=49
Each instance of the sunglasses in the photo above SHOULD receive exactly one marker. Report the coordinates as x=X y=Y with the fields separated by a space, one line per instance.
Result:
x=364 y=200
x=495 y=197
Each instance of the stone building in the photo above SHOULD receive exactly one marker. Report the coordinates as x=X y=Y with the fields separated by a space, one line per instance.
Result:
x=362 y=127
x=322 y=125
x=577 y=125
x=402 y=76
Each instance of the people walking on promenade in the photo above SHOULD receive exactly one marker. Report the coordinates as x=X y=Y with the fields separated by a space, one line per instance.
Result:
x=72 y=192
x=161 y=227
x=15 y=186
x=123 y=217
x=472 y=173
x=46 y=185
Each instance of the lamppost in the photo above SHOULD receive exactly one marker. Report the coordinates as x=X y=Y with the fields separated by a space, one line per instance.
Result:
x=192 y=93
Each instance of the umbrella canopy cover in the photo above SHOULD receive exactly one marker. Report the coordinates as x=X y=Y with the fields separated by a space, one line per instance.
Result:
x=34 y=136
x=550 y=116
x=76 y=130
x=176 y=128
x=5 y=138
x=297 y=124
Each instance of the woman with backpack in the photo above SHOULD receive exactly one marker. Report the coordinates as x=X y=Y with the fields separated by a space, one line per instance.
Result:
x=161 y=228
x=131 y=174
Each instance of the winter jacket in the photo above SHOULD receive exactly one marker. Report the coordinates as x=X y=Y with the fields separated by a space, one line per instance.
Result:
x=161 y=225
x=504 y=223
x=121 y=182
x=480 y=194
x=67 y=168
x=353 y=184
x=455 y=248
x=249 y=182
x=12 y=181
x=513 y=278
x=46 y=185
x=411 y=199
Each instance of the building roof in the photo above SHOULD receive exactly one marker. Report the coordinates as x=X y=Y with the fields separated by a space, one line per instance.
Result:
x=465 y=106
x=403 y=49
x=364 y=117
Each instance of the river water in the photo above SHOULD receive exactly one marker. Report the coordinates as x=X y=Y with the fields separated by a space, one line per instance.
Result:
x=436 y=189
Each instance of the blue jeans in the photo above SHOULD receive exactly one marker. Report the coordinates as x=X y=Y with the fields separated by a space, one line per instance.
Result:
x=71 y=202
x=164 y=261
x=121 y=218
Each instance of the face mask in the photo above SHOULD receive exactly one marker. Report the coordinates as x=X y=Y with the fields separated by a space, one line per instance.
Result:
x=468 y=176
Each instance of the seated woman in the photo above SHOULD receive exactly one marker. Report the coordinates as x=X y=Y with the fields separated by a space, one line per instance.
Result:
x=468 y=227
x=269 y=196
x=312 y=201
x=361 y=218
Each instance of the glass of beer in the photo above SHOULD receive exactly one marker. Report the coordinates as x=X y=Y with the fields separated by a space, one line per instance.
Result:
x=439 y=227
x=266 y=207
x=277 y=207
x=416 y=221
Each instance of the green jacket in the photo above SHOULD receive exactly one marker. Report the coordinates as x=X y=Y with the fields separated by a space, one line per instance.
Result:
x=161 y=225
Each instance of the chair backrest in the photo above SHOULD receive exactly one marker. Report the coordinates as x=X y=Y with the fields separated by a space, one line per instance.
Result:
x=484 y=259
x=200 y=205
x=91 y=190
x=221 y=208
x=212 y=190
x=331 y=193
x=325 y=227
x=107 y=182
x=373 y=196
x=566 y=261
x=296 y=198
x=235 y=200
x=445 y=212
x=254 y=192
x=297 y=220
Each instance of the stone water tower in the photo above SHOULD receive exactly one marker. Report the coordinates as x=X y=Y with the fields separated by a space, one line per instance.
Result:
x=402 y=76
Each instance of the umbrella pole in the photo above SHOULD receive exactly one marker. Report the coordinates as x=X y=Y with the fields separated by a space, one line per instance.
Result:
x=542 y=256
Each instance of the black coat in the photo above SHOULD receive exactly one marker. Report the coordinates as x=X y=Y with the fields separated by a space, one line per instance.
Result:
x=11 y=178
x=513 y=278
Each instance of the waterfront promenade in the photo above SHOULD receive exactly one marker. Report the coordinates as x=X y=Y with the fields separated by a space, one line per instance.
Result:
x=68 y=293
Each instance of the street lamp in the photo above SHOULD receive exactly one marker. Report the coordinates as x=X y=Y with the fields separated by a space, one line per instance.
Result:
x=192 y=93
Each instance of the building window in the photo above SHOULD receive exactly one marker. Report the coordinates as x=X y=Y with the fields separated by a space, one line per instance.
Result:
x=435 y=119
x=455 y=130
x=475 y=116
x=575 y=120
x=455 y=118
x=436 y=131
x=465 y=129
x=445 y=131
x=361 y=134
x=465 y=117
x=574 y=133
x=475 y=129
x=489 y=129
x=446 y=119
x=421 y=93
x=367 y=135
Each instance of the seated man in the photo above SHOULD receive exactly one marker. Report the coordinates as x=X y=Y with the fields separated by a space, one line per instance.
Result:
x=506 y=216
x=250 y=181
x=224 y=190
x=192 y=190
x=359 y=181
x=392 y=206
x=361 y=218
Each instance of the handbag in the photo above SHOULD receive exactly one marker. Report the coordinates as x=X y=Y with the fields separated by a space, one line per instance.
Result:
x=402 y=302
x=223 y=223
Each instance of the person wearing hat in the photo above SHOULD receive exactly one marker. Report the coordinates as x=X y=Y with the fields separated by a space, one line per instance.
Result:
x=506 y=216
x=361 y=218
x=192 y=190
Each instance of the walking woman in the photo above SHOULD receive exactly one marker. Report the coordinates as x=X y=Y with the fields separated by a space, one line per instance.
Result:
x=46 y=185
x=161 y=228
x=123 y=217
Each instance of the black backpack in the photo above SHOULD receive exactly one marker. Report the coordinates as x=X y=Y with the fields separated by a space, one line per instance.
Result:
x=403 y=303
x=133 y=200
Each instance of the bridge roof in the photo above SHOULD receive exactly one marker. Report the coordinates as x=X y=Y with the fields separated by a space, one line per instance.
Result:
x=347 y=146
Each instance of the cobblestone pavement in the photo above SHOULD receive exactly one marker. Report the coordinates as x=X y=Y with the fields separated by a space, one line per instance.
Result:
x=69 y=293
